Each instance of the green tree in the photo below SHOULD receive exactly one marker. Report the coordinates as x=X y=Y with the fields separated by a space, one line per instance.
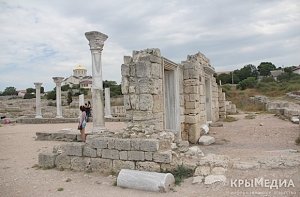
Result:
x=29 y=95
x=69 y=99
x=30 y=90
x=10 y=91
x=65 y=87
x=224 y=78
x=247 y=71
x=265 y=68
x=250 y=82
x=51 y=95
x=115 y=89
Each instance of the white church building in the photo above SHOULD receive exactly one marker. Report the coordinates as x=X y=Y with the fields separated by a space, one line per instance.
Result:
x=79 y=77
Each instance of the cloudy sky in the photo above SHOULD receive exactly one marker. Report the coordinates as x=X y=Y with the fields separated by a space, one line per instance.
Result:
x=41 y=39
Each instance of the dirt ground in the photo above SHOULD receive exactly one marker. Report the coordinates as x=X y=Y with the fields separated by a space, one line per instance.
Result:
x=244 y=139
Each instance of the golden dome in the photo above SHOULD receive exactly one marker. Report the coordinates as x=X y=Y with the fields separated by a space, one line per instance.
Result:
x=79 y=67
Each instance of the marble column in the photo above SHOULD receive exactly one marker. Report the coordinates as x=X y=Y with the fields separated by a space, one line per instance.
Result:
x=57 y=81
x=96 y=42
x=38 y=100
x=107 y=103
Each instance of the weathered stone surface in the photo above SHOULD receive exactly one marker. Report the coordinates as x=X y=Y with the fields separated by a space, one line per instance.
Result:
x=163 y=157
x=216 y=124
x=295 y=119
x=146 y=102
x=206 y=140
x=135 y=144
x=202 y=171
x=148 y=156
x=148 y=181
x=119 y=164
x=89 y=151
x=99 y=152
x=245 y=165
x=197 y=179
x=80 y=163
x=110 y=154
x=97 y=142
x=183 y=146
x=101 y=165
x=111 y=143
x=136 y=155
x=148 y=166
x=122 y=144
x=149 y=145
x=210 y=179
x=123 y=155
x=143 y=69
x=215 y=160
x=193 y=133
x=194 y=151
x=47 y=160
x=218 y=171
x=63 y=161
x=73 y=149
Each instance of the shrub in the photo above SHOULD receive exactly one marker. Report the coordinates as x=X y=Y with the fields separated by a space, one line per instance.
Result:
x=181 y=173
x=29 y=96
x=51 y=95
x=250 y=82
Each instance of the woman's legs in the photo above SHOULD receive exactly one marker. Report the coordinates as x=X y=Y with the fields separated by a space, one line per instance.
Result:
x=82 y=133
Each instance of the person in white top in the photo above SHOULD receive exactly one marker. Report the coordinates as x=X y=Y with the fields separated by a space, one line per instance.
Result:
x=82 y=123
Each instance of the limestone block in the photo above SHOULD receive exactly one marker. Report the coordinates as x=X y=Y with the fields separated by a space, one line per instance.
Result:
x=192 y=105
x=127 y=59
x=163 y=157
x=210 y=179
x=245 y=165
x=206 y=140
x=63 y=161
x=136 y=155
x=135 y=144
x=80 y=163
x=99 y=152
x=194 y=133
x=148 y=166
x=111 y=143
x=156 y=70
x=132 y=70
x=123 y=155
x=47 y=160
x=146 y=102
x=218 y=171
x=142 y=115
x=158 y=103
x=156 y=86
x=191 y=119
x=43 y=136
x=125 y=69
x=143 y=69
x=127 y=104
x=124 y=85
x=202 y=171
x=110 y=154
x=122 y=144
x=149 y=145
x=144 y=86
x=97 y=142
x=197 y=179
x=148 y=156
x=151 y=58
x=148 y=181
x=101 y=165
x=194 y=151
x=134 y=101
x=74 y=149
x=119 y=164
x=89 y=151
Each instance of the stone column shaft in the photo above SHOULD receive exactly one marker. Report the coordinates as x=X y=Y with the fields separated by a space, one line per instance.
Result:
x=58 y=81
x=96 y=42
x=38 y=100
x=107 y=103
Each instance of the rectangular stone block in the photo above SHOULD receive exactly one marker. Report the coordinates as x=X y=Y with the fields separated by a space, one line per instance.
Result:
x=123 y=155
x=89 y=151
x=110 y=154
x=146 y=102
x=156 y=70
x=80 y=163
x=74 y=149
x=135 y=144
x=47 y=160
x=150 y=145
x=97 y=142
x=148 y=166
x=63 y=162
x=163 y=157
x=192 y=104
x=191 y=119
x=164 y=145
x=101 y=165
x=99 y=152
x=122 y=144
x=119 y=164
x=136 y=155
x=111 y=143
x=148 y=156
x=143 y=69
x=142 y=115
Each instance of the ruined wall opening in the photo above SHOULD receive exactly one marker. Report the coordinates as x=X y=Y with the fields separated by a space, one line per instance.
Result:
x=171 y=96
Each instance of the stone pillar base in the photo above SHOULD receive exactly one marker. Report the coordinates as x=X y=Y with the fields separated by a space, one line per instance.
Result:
x=38 y=117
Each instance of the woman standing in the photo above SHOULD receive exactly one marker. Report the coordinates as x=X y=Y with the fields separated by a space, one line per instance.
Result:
x=82 y=123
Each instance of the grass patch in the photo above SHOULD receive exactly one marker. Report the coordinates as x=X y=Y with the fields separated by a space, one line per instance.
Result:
x=298 y=141
x=181 y=173
x=60 y=189
x=229 y=119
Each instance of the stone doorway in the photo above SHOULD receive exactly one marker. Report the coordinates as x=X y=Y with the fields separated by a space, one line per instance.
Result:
x=171 y=97
x=208 y=100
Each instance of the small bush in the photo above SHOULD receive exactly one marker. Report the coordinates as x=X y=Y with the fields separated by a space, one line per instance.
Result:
x=60 y=189
x=181 y=173
x=250 y=82
x=51 y=103
x=29 y=96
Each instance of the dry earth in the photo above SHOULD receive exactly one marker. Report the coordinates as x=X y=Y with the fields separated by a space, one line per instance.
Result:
x=244 y=139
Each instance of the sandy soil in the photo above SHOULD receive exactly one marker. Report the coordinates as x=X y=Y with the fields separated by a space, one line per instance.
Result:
x=243 y=138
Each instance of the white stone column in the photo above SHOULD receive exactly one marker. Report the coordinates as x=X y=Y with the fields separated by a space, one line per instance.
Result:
x=57 y=81
x=96 y=42
x=38 y=100
x=107 y=103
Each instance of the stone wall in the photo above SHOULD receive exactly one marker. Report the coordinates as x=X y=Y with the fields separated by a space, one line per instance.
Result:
x=222 y=108
x=142 y=87
x=107 y=154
